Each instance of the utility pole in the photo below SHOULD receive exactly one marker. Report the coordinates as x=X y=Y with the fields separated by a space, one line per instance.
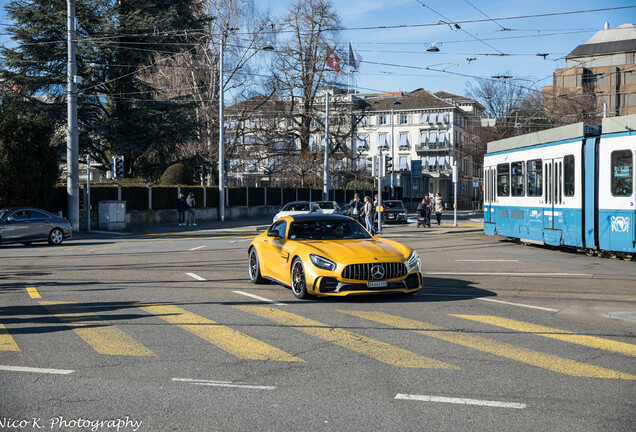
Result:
x=325 y=183
x=392 y=156
x=72 y=140
x=221 y=137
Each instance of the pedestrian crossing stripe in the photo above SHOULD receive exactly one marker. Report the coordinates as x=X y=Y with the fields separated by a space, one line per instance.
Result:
x=553 y=333
x=363 y=345
x=6 y=341
x=226 y=338
x=99 y=334
x=501 y=349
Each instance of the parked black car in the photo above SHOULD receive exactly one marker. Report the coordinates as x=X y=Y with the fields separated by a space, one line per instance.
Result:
x=27 y=225
x=395 y=211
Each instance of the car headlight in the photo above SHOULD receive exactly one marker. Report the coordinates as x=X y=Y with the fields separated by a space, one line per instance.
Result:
x=412 y=260
x=322 y=262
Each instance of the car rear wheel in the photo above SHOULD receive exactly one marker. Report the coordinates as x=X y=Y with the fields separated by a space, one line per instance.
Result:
x=56 y=236
x=298 y=283
x=254 y=268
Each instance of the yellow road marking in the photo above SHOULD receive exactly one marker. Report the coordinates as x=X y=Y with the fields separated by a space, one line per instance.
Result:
x=501 y=349
x=370 y=347
x=226 y=338
x=57 y=248
x=562 y=335
x=99 y=334
x=33 y=292
x=101 y=248
x=6 y=341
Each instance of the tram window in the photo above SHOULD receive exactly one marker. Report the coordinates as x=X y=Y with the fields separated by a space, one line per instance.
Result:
x=503 y=180
x=517 y=177
x=568 y=175
x=622 y=173
x=535 y=177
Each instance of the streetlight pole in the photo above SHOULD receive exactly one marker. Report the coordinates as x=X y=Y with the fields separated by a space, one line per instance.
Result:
x=392 y=156
x=221 y=138
x=72 y=140
x=325 y=184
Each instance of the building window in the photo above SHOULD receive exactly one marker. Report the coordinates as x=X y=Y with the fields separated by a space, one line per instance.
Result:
x=403 y=118
x=535 y=177
x=362 y=142
x=404 y=141
x=404 y=163
x=382 y=119
x=622 y=182
x=423 y=138
x=382 y=141
x=363 y=121
x=424 y=118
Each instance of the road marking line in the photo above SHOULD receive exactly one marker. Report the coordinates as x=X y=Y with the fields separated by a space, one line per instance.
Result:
x=196 y=276
x=226 y=338
x=487 y=260
x=223 y=384
x=57 y=248
x=33 y=292
x=562 y=335
x=195 y=248
x=461 y=401
x=518 y=304
x=510 y=274
x=254 y=296
x=110 y=232
x=99 y=334
x=102 y=248
x=37 y=370
x=6 y=341
x=501 y=349
x=355 y=342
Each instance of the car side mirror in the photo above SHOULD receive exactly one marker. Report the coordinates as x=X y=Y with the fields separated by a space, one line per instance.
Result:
x=10 y=219
x=273 y=234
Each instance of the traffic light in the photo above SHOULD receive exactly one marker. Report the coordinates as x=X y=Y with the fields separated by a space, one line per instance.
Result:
x=118 y=167
x=388 y=164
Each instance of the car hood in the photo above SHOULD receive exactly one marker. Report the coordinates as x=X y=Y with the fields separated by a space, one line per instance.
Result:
x=365 y=250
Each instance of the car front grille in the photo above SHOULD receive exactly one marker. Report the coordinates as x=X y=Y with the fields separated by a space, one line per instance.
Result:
x=364 y=271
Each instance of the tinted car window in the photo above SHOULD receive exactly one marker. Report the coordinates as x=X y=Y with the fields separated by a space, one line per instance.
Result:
x=394 y=204
x=37 y=215
x=4 y=213
x=327 y=230
x=296 y=206
x=278 y=229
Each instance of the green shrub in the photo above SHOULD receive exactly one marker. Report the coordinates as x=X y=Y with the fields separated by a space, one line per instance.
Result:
x=177 y=174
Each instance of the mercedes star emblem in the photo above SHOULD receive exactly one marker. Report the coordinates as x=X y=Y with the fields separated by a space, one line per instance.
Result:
x=377 y=272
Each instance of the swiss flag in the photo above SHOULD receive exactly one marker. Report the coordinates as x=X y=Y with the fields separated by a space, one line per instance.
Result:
x=333 y=61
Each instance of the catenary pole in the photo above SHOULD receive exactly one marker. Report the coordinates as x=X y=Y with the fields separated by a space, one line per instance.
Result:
x=221 y=138
x=72 y=140
x=325 y=183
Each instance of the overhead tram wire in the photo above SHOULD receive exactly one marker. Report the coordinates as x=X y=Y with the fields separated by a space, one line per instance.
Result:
x=481 y=12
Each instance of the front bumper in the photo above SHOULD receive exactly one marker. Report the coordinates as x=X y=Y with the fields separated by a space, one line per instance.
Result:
x=332 y=286
x=395 y=217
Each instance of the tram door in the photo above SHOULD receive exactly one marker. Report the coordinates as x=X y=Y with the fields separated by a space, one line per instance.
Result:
x=553 y=198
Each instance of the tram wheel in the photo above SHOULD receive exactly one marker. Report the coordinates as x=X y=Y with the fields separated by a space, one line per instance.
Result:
x=590 y=252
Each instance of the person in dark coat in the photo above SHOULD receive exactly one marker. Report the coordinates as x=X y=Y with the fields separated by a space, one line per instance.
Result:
x=191 y=204
x=181 y=208
x=356 y=208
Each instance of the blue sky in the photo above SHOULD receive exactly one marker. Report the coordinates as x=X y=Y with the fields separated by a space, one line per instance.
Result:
x=403 y=49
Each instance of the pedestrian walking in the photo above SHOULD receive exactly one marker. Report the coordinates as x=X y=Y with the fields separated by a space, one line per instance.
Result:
x=181 y=208
x=368 y=213
x=191 y=202
x=424 y=212
x=356 y=207
x=438 y=207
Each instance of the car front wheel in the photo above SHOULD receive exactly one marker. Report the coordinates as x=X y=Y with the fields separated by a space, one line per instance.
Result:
x=298 y=283
x=56 y=236
x=254 y=268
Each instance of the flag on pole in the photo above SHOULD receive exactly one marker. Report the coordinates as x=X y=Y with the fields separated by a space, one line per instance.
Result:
x=333 y=61
x=354 y=58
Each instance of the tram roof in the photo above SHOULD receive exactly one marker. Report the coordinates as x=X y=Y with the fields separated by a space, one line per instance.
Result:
x=619 y=124
x=563 y=133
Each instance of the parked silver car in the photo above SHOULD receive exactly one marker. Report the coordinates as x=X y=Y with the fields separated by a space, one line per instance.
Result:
x=26 y=225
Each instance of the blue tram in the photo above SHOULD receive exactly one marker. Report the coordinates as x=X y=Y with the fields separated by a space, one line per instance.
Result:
x=568 y=186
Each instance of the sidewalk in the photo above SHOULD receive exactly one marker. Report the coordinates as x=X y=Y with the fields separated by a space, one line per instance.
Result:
x=465 y=219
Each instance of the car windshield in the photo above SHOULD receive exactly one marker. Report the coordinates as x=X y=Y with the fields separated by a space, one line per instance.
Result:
x=296 y=206
x=327 y=230
x=326 y=205
x=394 y=204
x=4 y=213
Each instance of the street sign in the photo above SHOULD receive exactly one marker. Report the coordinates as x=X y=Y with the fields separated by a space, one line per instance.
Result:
x=475 y=182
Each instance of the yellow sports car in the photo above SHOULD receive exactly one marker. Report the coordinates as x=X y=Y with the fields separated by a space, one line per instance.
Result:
x=321 y=254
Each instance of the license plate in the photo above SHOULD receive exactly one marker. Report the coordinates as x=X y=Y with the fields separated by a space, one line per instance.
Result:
x=377 y=284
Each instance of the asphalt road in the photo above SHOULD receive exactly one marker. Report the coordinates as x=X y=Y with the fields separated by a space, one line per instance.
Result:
x=162 y=331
